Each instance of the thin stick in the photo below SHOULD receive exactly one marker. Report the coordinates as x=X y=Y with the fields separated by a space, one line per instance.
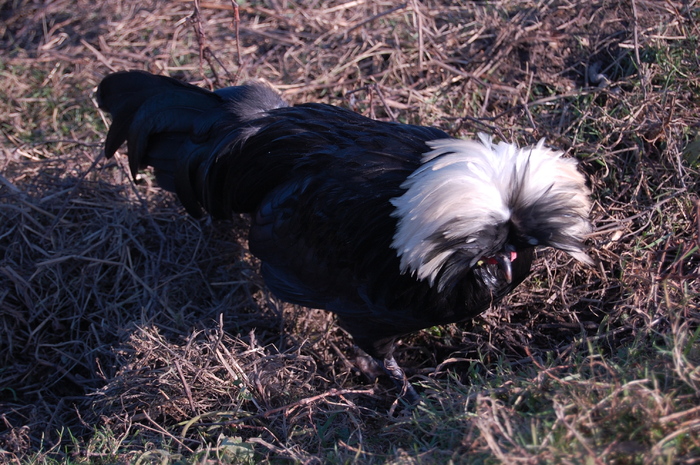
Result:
x=419 y=25
x=196 y=21
x=292 y=406
x=379 y=15
x=375 y=86
x=236 y=29
x=205 y=53
x=697 y=219
x=642 y=76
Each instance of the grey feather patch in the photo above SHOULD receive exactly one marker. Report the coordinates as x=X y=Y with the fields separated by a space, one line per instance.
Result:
x=251 y=101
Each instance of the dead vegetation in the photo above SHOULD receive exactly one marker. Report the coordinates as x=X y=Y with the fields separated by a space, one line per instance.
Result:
x=129 y=331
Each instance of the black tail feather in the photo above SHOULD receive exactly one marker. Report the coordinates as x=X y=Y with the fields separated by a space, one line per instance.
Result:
x=123 y=94
x=183 y=131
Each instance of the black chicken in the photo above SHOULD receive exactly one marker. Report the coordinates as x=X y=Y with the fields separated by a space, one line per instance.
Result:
x=393 y=227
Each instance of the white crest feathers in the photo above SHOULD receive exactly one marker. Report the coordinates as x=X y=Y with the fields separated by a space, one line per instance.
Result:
x=463 y=187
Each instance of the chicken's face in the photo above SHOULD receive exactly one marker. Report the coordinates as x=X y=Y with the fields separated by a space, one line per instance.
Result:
x=476 y=205
x=500 y=248
x=498 y=266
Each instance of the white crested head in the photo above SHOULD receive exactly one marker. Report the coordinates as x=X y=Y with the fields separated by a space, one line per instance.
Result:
x=469 y=197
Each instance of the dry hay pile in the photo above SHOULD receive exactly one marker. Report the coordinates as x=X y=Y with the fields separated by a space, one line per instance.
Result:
x=118 y=311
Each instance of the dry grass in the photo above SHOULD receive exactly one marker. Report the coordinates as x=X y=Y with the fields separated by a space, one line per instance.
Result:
x=129 y=331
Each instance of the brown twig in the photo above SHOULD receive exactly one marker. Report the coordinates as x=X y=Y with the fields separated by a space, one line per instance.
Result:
x=289 y=407
x=370 y=88
x=377 y=16
x=205 y=52
x=640 y=69
x=236 y=28
x=196 y=21
x=697 y=222
x=185 y=386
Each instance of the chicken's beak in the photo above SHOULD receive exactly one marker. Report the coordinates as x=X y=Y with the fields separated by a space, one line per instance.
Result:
x=504 y=263
x=504 y=260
